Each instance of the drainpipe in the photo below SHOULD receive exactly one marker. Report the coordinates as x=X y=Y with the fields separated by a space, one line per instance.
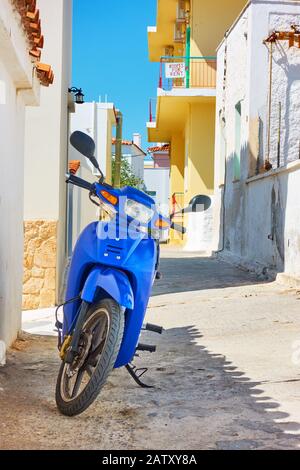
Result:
x=70 y=221
x=222 y=123
x=118 y=157
x=223 y=202
x=279 y=136
x=73 y=167
x=268 y=166
x=187 y=50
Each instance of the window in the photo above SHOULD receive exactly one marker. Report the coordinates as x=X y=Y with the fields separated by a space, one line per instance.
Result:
x=237 y=146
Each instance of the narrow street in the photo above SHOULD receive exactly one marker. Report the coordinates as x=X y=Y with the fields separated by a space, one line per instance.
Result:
x=226 y=374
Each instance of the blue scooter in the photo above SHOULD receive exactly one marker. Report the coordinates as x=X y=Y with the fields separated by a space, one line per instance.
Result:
x=113 y=267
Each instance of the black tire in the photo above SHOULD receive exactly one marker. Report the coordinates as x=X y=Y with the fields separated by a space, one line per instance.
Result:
x=105 y=364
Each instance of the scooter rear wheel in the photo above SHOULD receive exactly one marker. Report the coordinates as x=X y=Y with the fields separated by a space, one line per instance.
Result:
x=79 y=383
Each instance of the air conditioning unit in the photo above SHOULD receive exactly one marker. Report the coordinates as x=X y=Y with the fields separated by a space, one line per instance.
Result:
x=179 y=33
x=169 y=51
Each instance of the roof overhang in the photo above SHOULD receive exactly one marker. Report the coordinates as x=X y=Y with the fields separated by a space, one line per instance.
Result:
x=162 y=34
x=172 y=113
x=129 y=150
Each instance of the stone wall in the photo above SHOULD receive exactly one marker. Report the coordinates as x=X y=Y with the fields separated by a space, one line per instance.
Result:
x=40 y=255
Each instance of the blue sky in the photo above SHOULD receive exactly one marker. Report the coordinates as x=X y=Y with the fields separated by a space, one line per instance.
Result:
x=110 y=57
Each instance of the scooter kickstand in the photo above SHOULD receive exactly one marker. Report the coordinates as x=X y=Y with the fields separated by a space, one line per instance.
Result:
x=134 y=372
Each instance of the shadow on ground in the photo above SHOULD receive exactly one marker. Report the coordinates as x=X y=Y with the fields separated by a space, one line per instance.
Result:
x=201 y=401
x=185 y=274
x=208 y=403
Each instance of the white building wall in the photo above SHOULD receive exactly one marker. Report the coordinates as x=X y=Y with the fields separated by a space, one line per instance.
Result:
x=18 y=87
x=96 y=120
x=286 y=78
x=158 y=180
x=200 y=230
x=47 y=125
x=257 y=217
x=232 y=69
x=11 y=207
x=46 y=161
x=137 y=165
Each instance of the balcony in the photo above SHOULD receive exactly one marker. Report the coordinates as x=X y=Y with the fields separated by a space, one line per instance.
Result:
x=182 y=82
x=185 y=73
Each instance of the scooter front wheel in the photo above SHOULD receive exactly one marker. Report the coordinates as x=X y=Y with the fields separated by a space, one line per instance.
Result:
x=79 y=383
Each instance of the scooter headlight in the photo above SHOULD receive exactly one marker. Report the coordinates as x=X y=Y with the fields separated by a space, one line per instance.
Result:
x=139 y=212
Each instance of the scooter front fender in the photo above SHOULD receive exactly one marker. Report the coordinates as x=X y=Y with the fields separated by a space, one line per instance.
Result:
x=112 y=281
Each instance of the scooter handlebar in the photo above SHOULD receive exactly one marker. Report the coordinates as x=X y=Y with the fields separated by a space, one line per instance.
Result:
x=81 y=183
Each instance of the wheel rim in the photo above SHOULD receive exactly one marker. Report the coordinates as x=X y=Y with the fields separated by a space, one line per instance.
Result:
x=76 y=376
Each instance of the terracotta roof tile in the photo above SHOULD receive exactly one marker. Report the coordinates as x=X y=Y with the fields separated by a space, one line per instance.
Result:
x=74 y=166
x=161 y=148
x=124 y=142
x=30 y=17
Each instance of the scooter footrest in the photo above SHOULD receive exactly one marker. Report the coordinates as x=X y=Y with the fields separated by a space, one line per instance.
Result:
x=154 y=328
x=146 y=347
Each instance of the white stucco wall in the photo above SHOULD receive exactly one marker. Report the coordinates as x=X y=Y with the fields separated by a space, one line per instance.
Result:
x=47 y=128
x=158 y=180
x=11 y=207
x=96 y=120
x=18 y=86
x=137 y=165
x=261 y=213
x=200 y=230
x=266 y=17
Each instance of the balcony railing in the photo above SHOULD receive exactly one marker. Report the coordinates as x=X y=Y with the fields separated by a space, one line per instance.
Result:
x=152 y=109
x=187 y=72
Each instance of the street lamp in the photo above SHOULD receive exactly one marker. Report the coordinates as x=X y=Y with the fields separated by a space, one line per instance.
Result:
x=79 y=96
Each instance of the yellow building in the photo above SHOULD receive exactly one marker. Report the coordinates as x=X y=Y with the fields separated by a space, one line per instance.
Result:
x=184 y=41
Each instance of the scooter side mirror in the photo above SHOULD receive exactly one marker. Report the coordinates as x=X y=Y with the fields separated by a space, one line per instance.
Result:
x=84 y=144
x=199 y=203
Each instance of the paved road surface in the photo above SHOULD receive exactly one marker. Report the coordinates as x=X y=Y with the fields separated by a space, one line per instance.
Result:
x=227 y=372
